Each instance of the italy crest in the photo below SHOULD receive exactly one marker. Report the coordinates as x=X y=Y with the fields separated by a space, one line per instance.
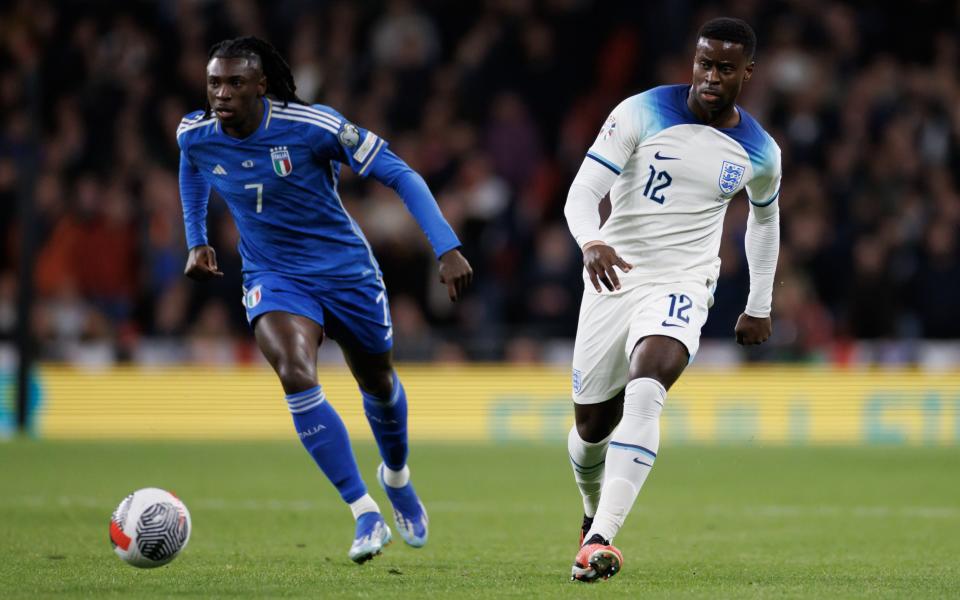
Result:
x=730 y=176
x=282 y=163
x=253 y=297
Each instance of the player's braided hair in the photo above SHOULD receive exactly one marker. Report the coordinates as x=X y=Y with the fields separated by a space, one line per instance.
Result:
x=280 y=82
x=727 y=29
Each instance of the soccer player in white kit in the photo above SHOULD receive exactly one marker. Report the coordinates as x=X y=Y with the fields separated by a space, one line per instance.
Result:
x=671 y=158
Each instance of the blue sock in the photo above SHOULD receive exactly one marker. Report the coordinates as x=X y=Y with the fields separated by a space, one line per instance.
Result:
x=388 y=420
x=323 y=435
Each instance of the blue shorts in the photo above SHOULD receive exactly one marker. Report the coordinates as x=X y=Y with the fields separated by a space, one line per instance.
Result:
x=355 y=313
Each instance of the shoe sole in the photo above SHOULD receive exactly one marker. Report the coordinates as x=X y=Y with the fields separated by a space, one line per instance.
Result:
x=583 y=574
x=362 y=558
x=605 y=563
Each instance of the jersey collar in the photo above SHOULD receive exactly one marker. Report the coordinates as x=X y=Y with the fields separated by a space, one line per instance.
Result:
x=264 y=123
x=695 y=120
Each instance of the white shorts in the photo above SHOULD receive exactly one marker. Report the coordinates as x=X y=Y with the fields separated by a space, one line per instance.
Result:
x=611 y=325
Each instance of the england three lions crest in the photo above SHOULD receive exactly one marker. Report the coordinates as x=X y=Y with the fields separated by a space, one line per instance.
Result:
x=730 y=176
x=282 y=163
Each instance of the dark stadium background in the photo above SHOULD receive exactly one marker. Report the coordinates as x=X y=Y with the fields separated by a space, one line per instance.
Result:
x=495 y=104
x=822 y=464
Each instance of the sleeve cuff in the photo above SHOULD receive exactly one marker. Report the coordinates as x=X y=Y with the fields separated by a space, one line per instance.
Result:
x=757 y=314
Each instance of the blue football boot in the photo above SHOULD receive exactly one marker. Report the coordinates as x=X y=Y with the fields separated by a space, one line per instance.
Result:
x=409 y=515
x=372 y=535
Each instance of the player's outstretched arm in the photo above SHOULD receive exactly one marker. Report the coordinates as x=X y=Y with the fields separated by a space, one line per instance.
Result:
x=202 y=264
x=455 y=273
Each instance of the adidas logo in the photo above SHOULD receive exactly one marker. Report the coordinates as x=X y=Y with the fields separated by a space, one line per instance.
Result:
x=219 y=170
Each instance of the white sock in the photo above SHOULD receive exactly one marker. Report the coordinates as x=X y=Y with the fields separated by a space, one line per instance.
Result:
x=396 y=479
x=363 y=505
x=631 y=454
x=587 y=460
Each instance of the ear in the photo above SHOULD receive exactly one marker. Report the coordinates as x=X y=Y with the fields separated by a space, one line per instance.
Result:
x=262 y=86
x=748 y=72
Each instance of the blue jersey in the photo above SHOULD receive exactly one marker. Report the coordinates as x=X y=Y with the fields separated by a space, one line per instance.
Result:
x=280 y=184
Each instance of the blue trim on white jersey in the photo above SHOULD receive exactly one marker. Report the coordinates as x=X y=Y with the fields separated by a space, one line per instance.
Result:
x=768 y=202
x=665 y=106
x=604 y=162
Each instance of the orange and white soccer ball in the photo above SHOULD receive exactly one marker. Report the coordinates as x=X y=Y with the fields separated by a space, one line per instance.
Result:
x=149 y=528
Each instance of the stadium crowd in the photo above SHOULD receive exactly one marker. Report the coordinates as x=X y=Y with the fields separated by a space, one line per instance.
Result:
x=495 y=103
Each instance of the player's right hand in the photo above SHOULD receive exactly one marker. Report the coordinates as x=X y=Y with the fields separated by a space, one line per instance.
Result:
x=455 y=273
x=600 y=260
x=202 y=264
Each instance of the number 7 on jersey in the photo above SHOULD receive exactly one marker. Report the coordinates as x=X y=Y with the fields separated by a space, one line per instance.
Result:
x=259 y=188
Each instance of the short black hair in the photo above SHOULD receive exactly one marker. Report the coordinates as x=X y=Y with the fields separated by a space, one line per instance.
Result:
x=280 y=82
x=727 y=29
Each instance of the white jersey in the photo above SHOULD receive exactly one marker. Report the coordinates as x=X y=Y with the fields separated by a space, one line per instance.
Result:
x=675 y=179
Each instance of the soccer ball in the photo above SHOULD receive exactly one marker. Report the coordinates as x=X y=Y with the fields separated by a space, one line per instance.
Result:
x=149 y=528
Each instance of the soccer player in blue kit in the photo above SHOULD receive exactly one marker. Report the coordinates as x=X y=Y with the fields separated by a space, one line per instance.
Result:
x=307 y=268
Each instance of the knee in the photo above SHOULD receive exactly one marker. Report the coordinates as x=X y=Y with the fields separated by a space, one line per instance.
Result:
x=595 y=422
x=644 y=399
x=588 y=432
x=296 y=374
x=378 y=384
x=659 y=358
x=593 y=431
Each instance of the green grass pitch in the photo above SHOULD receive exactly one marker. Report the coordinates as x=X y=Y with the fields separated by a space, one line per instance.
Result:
x=737 y=522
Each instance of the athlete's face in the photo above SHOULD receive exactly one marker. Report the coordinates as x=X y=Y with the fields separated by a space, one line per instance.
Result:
x=719 y=71
x=234 y=87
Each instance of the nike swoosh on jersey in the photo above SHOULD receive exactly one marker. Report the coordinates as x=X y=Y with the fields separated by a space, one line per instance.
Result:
x=658 y=157
x=640 y=462
x=665 y=324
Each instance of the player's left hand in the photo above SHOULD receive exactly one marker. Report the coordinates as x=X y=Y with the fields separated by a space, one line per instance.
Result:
x=753 y=330
x=455 y=273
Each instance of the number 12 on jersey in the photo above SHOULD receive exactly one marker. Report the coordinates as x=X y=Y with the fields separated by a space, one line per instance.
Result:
x=259 y=188
x=663 y=179
x=679 y=304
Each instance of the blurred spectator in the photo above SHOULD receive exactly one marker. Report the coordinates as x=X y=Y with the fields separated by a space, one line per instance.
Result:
x=94 y=249
x=938 y=282
x=8 y=305
x=511 y=140
x=413 y=339
x=550 y=292
x=495 y=103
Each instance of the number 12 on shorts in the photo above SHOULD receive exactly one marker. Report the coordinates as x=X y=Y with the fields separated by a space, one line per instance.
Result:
x=679 y=304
